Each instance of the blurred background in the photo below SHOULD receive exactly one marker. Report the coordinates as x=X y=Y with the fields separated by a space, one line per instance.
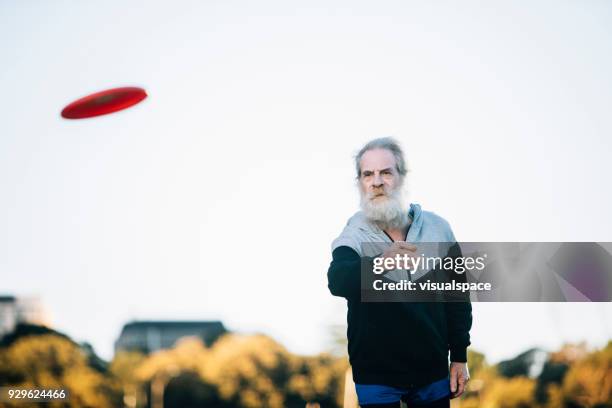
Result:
x=175 y=253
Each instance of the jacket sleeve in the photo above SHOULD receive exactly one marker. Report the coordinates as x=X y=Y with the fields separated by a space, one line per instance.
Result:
x=458 y=317
x=458 y=323
x=343 y=275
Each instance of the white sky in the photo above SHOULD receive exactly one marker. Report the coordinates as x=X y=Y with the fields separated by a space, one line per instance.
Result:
x=242 y=152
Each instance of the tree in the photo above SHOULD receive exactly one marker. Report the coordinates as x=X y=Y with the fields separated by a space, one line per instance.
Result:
x=588 y=381
x=249 y=371
x=317 y=379
x=188 y=390
x=123 y=368
x=51 y=361
x=476 y=361
x=176 y=375
x=516 y=392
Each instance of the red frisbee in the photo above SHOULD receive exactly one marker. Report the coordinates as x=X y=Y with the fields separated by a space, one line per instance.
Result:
x=101 y=103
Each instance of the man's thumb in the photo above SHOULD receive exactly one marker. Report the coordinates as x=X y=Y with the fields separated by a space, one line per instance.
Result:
x=453 y=381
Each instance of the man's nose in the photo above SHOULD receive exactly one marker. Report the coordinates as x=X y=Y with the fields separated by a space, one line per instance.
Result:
x=377 y=180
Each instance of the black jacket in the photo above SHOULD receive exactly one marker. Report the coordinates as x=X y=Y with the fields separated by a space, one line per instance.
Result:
x=398 y=344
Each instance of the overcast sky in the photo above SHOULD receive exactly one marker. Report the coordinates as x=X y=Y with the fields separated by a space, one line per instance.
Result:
x=219 y=195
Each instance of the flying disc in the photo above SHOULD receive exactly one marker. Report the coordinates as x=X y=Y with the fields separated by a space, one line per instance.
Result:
x=104 y=102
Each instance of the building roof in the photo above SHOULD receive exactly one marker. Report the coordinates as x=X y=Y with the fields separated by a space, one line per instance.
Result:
x=173 y=323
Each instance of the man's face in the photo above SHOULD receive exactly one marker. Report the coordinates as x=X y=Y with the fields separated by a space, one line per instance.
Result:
x=379 y=176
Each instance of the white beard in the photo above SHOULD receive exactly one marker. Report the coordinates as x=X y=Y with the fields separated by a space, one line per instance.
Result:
x=387 y=212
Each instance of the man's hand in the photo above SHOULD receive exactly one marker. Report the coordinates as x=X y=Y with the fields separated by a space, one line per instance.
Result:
x=459 y=376
x=400 y=248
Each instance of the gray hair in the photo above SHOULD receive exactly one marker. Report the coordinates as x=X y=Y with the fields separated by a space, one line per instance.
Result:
x=387 y=143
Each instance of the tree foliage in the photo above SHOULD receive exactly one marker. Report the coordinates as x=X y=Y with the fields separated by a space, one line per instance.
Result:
x=51 y=361
x=588 y=381
x=256 y=371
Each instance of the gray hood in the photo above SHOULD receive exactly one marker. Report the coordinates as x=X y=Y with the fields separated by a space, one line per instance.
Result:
x=367 y=239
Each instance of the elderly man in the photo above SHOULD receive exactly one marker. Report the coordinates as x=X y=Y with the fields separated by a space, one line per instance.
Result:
x=398 y=351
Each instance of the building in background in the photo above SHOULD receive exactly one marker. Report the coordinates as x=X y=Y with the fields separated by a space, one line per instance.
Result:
x=150 y=336
x=15 y=310
x=8 y=314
